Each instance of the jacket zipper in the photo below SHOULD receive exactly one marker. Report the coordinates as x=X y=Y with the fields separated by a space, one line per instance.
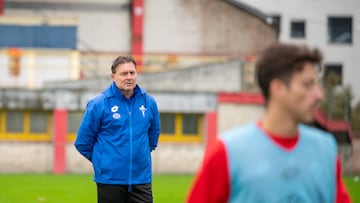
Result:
x=131 y=148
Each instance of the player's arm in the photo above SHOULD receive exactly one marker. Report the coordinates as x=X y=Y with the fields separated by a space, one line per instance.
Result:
x=342 y=195
x=88 y=131
x=211 y=185
x=154 y=130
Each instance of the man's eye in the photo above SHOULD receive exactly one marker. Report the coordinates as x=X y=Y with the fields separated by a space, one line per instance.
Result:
x=308 y=85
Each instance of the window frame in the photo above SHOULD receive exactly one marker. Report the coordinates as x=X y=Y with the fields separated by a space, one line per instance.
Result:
x=326 y=71
x=48 y=125
x=26 y=135
x=276 y=24
x=24 y=129
x=162 y=123
x=329 y=37
x=292 y=24
x=179 y=136
x=71 y=136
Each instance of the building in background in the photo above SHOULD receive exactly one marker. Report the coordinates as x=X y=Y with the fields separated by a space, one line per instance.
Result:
x=196 y=59
x=160 y=33
x=195 y=105
x=331 y=25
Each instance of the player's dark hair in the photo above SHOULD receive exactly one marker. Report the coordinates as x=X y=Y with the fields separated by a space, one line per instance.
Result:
x=281 y=61
x=122 y=60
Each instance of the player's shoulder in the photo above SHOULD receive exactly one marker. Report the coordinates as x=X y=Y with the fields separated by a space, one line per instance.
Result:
x=307 y=129
x=96 y=99
x=150 y=97
x=311 y=132
x=95 y=102
x=242 y=132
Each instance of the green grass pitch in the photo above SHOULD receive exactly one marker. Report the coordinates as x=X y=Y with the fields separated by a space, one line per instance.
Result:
x=48 y=188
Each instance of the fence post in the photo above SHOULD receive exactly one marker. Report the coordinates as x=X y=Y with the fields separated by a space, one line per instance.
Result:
x=211 y=128
x=59 y=142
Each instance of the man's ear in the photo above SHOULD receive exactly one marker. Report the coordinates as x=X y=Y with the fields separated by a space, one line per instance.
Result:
x=277 y=88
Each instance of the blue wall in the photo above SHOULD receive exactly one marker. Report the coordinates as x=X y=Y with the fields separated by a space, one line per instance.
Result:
x=38 y=36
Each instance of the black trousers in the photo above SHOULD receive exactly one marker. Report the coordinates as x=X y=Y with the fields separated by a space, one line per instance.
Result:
x=123 y=194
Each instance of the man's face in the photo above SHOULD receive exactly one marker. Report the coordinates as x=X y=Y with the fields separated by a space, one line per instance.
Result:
x=303 y=94
x=125 y=77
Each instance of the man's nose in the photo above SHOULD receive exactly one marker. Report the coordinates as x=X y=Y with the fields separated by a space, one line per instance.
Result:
x=128 y=76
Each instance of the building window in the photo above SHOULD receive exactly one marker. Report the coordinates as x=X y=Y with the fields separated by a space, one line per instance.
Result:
x=167 y=121
x=297 y=29
x=333 y=74
x=190 y=124
x=38 y=122
x=181 y=127
x=340 y=30
x=74 y=120
x=25 y=126
x=276 y=24
x=14 y=122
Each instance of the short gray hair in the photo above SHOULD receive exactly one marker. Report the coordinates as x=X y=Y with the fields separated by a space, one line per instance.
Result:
x=122 y=60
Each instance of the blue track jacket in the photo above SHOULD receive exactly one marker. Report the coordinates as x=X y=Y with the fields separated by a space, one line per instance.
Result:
x=117 y=135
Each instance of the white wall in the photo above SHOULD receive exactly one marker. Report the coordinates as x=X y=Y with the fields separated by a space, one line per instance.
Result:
x=38 y=158
x=219 y=77
x=75 y=162
x=315 y=13
x=168 y=158
x=38 y=66
x=108 y=32
x=203 y=27
x=233 y=115
x=170 y=27
x=21 y=157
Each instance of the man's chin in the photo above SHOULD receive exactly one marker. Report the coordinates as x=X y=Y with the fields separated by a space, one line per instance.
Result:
x=129 y=87
x=308 y=120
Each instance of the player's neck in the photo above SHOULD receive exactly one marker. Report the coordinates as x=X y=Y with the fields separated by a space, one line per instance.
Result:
x=127 y=93
x=279 y=122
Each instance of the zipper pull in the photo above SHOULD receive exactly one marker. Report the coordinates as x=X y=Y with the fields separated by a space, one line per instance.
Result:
x=129 y=188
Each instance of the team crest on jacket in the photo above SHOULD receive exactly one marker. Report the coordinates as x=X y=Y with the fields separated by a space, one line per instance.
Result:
x=143 y=110
x=114 y=109
x=116 y=116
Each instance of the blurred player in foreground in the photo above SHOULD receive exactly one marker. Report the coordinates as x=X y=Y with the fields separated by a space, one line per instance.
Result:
x=278 y=158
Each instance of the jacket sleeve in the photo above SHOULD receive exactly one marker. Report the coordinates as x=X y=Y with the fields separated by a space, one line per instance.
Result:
x=212 y=183
x=88 y=131
x=154 y=130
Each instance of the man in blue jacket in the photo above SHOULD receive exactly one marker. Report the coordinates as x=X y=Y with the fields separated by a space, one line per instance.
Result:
x=120 y=128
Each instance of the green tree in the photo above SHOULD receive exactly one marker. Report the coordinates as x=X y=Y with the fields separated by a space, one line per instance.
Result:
x=355 y=118
x=338 y=99
x=337 y=102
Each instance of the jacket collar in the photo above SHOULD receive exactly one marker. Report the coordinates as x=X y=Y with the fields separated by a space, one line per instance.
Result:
x=113 y=91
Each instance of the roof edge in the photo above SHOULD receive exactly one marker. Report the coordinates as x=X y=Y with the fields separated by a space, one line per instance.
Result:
x=252 y=10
